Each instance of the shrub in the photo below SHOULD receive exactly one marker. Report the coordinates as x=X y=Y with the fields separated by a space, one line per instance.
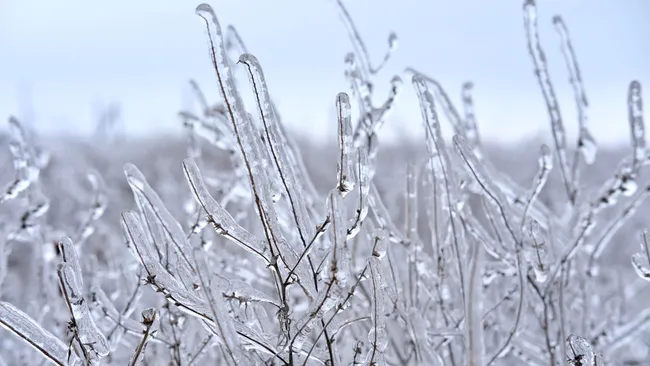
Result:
x=264 y=268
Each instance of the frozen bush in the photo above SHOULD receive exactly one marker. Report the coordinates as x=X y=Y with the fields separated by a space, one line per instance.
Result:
x=248 y=261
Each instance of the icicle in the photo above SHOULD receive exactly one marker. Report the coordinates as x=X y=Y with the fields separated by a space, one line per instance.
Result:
x=346 y=162
x=541 y=71
x=637 y=126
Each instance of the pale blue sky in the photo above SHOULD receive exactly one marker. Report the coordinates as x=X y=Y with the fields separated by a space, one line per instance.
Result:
x=67 y=55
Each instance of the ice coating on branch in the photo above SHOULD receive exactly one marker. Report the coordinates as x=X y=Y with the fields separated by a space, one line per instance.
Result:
x=545 y=164
x=149 y=198
x=227 y=86
x=278 y=148
x=157 y=276
x=637 y=126
x=26 y=172
x=548 y=91
x=586 y=143
x=475 y=308
x=537 y=255
x=380 y=239
x=641 y=260
x=443 y=99
x=87 y=332
x=363 y=177
x=358 y=44
x=220 y=219
x=24 y=327
x=377 y=336
x=411 y=203
x=345 y=167
x=471 y=129
x=340 y=253
x=70 y=275
x=490 y=189
x=220 y=315
x=97 y=206
x=69 y=256
x=123 y=323
x=579 y=351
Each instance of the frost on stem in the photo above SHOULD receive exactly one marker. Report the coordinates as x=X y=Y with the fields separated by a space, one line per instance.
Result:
x=641 y=260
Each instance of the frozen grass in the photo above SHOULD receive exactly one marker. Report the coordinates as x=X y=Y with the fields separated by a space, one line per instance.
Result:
x=234 y=245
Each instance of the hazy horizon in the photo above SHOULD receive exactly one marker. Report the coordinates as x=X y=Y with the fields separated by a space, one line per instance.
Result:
x=62 y=60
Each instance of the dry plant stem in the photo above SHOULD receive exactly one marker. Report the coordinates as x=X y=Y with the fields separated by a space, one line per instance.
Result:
x=150 y=327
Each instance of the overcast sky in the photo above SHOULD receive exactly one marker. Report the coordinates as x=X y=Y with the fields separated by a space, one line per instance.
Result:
x=65 y=57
